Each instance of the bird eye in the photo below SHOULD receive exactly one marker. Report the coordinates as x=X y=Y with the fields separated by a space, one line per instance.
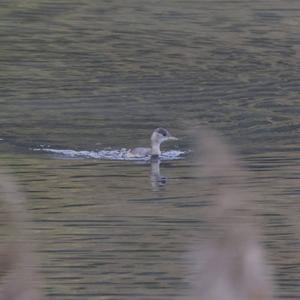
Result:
x=162 y=131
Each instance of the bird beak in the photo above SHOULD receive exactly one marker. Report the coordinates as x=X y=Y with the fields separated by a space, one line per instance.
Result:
x=173 y=138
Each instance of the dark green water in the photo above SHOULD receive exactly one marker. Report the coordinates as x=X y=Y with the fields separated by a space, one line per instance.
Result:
x=89 y=75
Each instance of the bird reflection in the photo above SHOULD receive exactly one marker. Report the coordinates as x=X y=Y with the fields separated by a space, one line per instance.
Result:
x=157 y=180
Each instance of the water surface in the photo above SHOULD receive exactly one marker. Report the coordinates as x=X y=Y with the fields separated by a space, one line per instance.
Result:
x=92 y=75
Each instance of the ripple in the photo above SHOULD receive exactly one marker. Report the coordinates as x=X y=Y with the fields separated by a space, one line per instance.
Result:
x=117 y=154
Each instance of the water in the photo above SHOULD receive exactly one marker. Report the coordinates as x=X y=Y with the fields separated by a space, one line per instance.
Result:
x=116 y=154
x=101 y=75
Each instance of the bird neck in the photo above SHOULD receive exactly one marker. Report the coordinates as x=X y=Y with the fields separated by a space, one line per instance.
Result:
x=155 y=148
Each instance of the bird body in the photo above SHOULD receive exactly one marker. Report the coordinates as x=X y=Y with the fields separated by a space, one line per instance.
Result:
x=158 y=136
x=139 y=152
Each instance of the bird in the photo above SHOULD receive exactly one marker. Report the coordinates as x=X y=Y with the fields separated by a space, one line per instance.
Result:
x=158 y=136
